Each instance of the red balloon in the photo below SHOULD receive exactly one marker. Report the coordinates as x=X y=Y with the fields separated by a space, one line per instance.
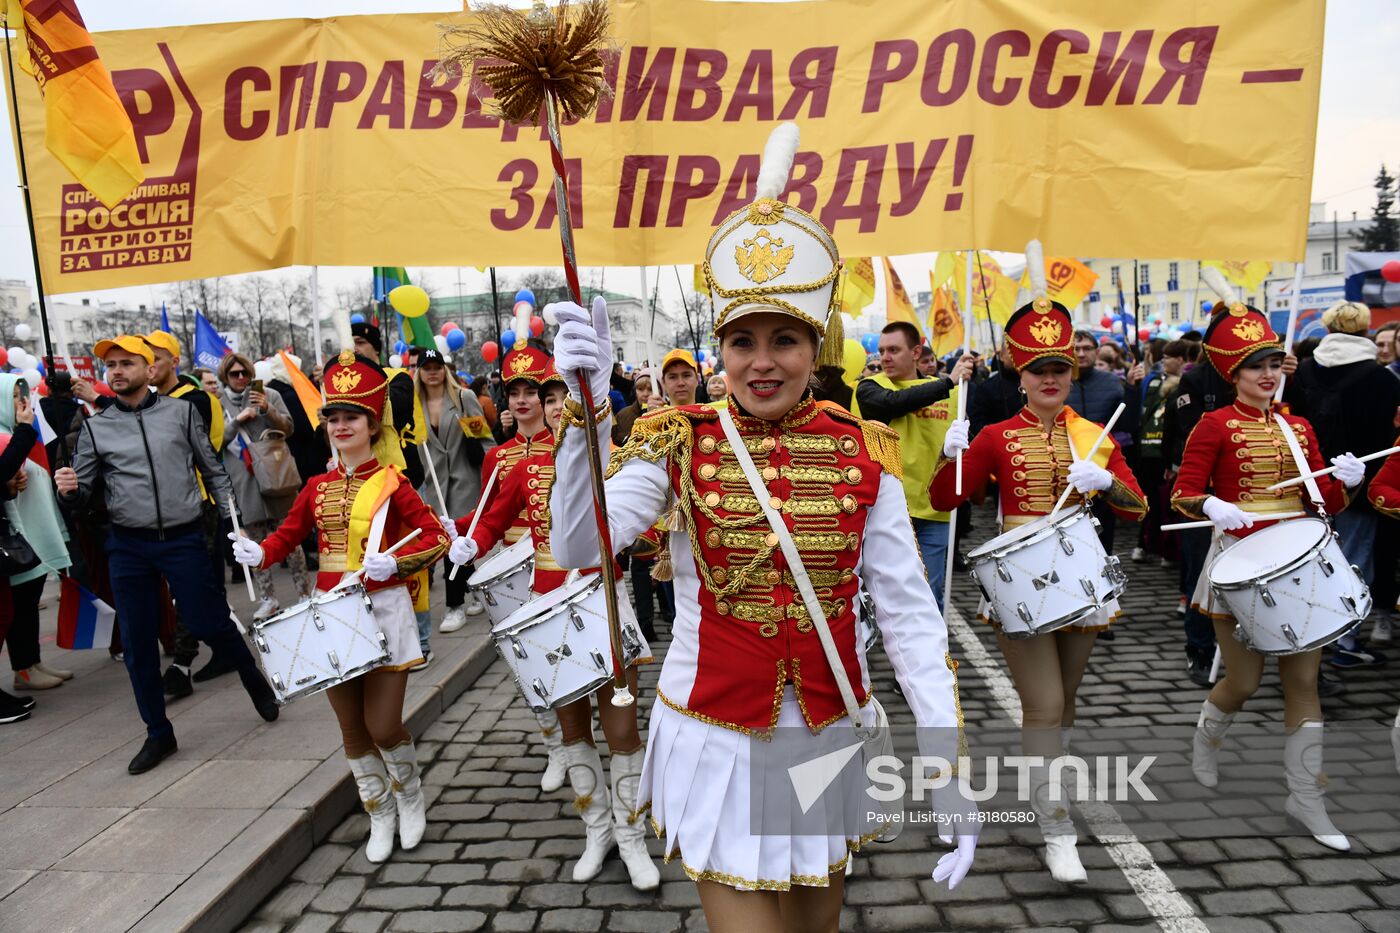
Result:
x=1105 y=321
x=102 y=388
x=536 y=326
x=446 y=328
x=43 y=387
x=490 y=350
x=4 y=356
x=1106 y=338
x=1144 y=333
x=1391 y=271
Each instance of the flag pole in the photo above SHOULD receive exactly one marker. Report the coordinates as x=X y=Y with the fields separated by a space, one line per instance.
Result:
x=986 y=302
x=28 y=208
x=1292 y=323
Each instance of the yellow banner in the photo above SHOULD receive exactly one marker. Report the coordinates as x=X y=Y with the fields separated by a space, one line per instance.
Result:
x=1145 y=129
x=1247 y=275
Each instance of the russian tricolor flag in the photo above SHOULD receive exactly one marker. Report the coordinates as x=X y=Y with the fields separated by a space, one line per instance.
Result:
x=84 y=621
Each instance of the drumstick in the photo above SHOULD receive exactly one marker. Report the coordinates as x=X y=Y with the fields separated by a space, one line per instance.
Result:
x=355 y=577
x=247 y=574
x=1299 y=480
x=1098 y=442
x=1215 y=665
x=476 y=516
x=1185 y=526
x=427 y=455
x=962 y=413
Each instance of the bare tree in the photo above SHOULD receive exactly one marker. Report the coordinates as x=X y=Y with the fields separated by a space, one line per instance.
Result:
x=294 y=293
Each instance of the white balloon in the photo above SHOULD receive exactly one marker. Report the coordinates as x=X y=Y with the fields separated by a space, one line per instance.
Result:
x=262 y=369
x=549 y=317
x=31 y=376
x=16 y=355
x=395 y=361
x=23 y=331
x=442 y=347
x=1118 y=327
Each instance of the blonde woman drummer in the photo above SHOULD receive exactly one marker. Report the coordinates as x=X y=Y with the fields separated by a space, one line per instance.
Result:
x=745 y=656
x=1034 y=457
x=340 y=506
x=524 y=499
x=1231 y=458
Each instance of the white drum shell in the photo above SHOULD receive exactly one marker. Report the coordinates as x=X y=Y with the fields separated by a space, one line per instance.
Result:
x=558 y=648
x=324 y=641
x=1040 y=577
x=1311 y=601
x=502 y=581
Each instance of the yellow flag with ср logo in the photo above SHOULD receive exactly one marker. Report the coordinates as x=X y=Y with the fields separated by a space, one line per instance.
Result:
x=993 y=291
x=857 y=285
x=898 y=307
x=1067 y=280
x=945 y=324
x=87 y=128
x=1248 y=275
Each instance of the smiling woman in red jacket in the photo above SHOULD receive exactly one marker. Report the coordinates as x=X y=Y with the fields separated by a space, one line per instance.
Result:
x=1231 y=459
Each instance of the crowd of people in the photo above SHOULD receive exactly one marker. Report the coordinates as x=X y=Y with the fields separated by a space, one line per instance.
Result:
x=754 y=511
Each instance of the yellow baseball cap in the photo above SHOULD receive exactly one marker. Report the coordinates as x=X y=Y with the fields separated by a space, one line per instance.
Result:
x=679 y=356
x=127 y=342
x=164 y=340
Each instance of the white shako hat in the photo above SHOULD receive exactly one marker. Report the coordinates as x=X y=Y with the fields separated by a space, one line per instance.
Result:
x=771 y=256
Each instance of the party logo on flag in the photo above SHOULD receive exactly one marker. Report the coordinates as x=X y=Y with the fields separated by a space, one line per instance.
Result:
x=84 y=621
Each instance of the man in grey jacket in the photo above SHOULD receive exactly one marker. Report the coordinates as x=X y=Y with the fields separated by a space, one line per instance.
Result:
x=145 y=450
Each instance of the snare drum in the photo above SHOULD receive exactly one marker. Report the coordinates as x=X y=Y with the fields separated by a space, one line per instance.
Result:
x=1043 y=575
x=324 y=641
x=503 y=579
x=558 y=647
x=1290 y=588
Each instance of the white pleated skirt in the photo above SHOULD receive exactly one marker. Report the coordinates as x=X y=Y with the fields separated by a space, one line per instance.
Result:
x=696 y=784
x=393 y=613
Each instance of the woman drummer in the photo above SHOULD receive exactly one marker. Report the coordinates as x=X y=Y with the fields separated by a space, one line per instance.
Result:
x=745 y=655
x=341 y=507
x=1232 y=457
x=1034 y=456
x=523 y=499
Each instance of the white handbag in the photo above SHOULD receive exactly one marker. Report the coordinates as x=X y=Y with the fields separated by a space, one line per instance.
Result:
x=876 y=738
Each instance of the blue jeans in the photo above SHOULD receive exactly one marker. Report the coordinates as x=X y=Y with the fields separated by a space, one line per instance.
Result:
x=425 y=628
x=1200 y=630
x=1356 y=524
x=933 y=547
x=135 y=566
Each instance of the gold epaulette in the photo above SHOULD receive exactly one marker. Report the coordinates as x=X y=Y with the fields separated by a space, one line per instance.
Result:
x=881 y=441
x=658 y=434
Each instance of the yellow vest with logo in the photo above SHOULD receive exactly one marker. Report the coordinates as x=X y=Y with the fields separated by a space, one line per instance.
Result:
x=920 y=441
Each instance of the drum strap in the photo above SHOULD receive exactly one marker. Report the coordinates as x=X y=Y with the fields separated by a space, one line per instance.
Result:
x=1299 y=458
x=799 y=571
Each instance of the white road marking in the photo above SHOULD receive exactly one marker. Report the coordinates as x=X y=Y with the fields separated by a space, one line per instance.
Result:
x=1169 y=908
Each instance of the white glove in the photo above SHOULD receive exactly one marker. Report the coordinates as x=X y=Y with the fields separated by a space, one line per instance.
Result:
x=1226 y=515
x=449 y=526
x=380 y=567
x=1350 y=470
x=955 y=441
x=1086 y=476
x=463 y=550
x=954 y=866
x=246 y=551
x=583 y=344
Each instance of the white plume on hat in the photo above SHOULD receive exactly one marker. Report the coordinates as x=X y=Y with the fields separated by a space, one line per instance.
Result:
x=1216 y=281
x=1035 y=268
x=778 y=154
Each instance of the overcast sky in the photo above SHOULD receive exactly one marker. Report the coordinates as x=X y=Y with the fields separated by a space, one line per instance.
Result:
x=1358 y=125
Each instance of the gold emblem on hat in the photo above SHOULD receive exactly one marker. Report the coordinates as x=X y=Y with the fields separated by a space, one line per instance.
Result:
x=1047 y=330
x=1238 y=310
x=344 y=380
x=346 y=358
x=763 y=257
x=766 y=211
x=1249 y=331
x=520 y=364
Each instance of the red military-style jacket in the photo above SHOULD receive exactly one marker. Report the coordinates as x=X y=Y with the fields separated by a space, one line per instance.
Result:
x=1236 y=453
x=506 y=456
x=1384 y=490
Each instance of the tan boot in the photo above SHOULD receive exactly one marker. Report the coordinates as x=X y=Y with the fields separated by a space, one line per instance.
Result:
x=34 y=679
x=406 y=780
x=1205 y=745
x=557 y=771
x=592 y=803
x=629 y=827
x=1057 y=828
x=1307 y=785
x=54 y=672
x=377 y=795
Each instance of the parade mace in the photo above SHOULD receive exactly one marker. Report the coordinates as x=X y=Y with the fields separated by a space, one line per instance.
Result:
x=538 y=64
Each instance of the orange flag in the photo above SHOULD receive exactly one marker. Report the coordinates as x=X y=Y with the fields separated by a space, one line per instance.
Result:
x=1067 y=280
x=945 y=325
x=857 y=285
x=307 y=393
x=88 y=129
x=898 y=307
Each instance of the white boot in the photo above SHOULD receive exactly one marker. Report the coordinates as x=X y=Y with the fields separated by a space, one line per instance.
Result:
x=377 y=797
x=629 y=827
x=1395 y=740
x=1307 y=785
x=1057 y=827
x=591 y=802
x=557 y=771
x=1205 y=745
x=405 y=777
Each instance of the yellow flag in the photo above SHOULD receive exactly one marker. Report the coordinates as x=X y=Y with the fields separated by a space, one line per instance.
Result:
x=1247 y=275
x=701 y=286
x=1082 y=434
x=898 y=307
x=944 y=268
x=87 y=128
x=992 y=289
x=1067 y=280
x=857 y=285
x=945 y=325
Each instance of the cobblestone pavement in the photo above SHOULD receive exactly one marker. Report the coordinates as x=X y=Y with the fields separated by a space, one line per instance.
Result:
x=498 y=852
